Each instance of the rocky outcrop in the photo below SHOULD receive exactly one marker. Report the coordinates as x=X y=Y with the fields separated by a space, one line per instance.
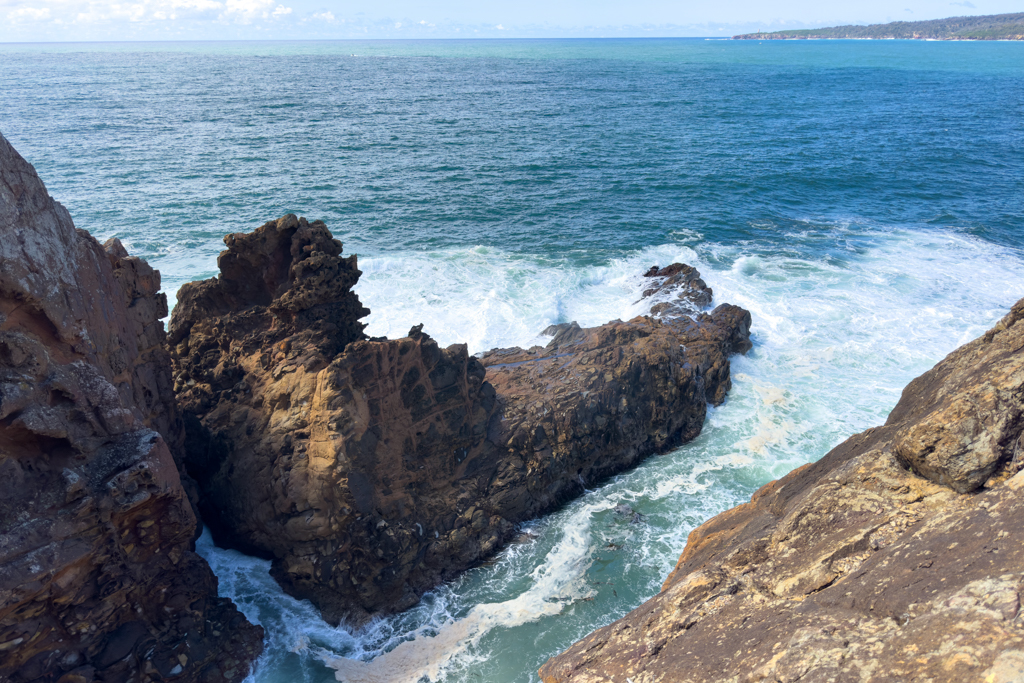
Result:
x=372 y=469
x=676 y=290
x=596 y=401
x=98 y=581
x=897 y=556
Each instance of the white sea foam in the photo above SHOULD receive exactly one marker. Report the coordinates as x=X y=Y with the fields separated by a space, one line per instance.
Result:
x=844 y=316
x=487 y=298
x=556 y=582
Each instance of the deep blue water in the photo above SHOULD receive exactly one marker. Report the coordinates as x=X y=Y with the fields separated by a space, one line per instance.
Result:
x=582 y=148
x=865 y=200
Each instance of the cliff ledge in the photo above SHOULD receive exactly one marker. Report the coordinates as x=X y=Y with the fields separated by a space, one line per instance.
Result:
x=897 y=556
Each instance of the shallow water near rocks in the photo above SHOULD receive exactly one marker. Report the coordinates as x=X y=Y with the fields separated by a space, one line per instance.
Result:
x=862 y=200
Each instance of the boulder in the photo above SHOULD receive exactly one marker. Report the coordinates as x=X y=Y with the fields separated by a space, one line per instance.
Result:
x=897 y=556
x=98 y=580
x=370 y=470
x=677 y=290
x=962 y=420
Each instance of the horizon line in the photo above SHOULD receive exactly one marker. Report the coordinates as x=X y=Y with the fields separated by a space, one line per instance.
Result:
x=321 y=40
x=459 y=38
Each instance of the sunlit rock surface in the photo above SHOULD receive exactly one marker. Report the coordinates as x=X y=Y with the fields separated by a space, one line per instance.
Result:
x=897 y=556
x=370 y=470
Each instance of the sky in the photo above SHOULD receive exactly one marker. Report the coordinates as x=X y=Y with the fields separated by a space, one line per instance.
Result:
x=101 y=20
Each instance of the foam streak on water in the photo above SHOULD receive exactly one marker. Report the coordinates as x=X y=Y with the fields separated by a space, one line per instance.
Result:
x=845 y=314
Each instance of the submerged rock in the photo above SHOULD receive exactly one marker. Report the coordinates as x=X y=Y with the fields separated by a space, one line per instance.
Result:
x=370 y=470
x=626 y=511
x=897 y=556
x=97 y=577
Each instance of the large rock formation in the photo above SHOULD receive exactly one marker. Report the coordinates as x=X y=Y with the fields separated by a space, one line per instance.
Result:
x=899 y=556
x=97 y=578
x=372 y=469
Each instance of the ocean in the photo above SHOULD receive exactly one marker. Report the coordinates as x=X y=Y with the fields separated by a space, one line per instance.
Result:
x=863 y=199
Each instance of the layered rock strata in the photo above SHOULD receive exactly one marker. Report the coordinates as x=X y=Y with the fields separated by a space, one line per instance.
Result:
x=98 y=581
x=898 y=556
x=370 y=470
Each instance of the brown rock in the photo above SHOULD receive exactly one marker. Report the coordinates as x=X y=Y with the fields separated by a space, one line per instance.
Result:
x=678 y=289
x=371 y=470
x=97 y=578
x=964 y=417
x=855 y=568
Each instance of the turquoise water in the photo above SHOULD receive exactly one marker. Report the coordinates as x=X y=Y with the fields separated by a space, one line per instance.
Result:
x=865 y=200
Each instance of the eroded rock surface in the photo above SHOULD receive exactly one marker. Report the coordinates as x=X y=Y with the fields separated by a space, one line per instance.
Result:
x=677 y=290
x=372 y=469
x=872 y=564
x=97 y=578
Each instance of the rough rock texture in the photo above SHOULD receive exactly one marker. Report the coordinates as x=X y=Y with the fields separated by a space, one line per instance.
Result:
x=677 y=290
x=856 y=568
x=97 y=579
x=372 y=469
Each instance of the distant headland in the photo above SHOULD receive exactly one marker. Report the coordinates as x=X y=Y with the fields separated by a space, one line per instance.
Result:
x=990 y=27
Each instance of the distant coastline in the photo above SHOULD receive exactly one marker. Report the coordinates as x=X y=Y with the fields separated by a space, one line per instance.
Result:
x=989 y=27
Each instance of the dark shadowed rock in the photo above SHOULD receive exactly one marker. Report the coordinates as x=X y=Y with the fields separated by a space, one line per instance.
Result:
x=98 y=581
x=856 y=568
x=372 y=470
x=563 y=333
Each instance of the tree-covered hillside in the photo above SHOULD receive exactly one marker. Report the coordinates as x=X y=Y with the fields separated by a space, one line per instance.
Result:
x=991 y=27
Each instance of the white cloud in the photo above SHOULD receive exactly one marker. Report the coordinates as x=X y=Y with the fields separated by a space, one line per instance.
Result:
x=134 y=12
x=195 y=5
x=327 y=17
x=245 y=11
x=29 y=14
x=281 y=11
x=100 y=13
x=91 y=17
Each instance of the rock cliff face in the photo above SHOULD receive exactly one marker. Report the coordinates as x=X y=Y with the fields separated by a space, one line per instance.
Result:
x=897 y=556
x=372 y=469
x=97 y=578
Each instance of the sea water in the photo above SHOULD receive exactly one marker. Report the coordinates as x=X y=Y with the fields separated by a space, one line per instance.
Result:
x=864 y=200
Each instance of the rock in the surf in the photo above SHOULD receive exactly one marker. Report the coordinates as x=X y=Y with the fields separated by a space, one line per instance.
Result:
x=98 y=581
x=898 y=556
x=626 y=511
x=372 y=470
x=678 y=290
